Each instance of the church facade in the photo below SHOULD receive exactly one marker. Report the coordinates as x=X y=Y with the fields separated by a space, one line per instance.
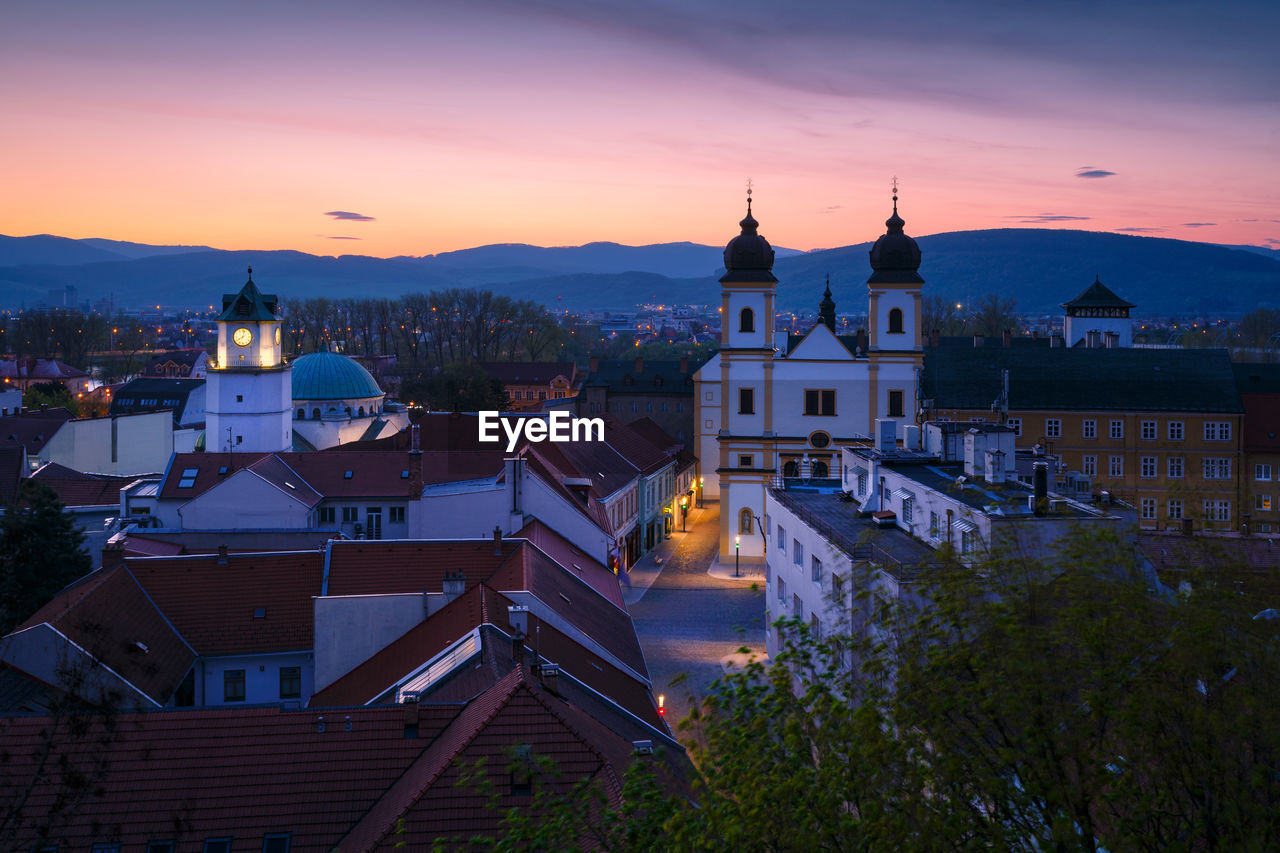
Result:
x=768 y=406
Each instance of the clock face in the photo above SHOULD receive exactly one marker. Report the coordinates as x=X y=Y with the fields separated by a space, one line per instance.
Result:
x=242 y=337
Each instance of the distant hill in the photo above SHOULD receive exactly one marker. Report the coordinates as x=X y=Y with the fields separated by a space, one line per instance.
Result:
x=1040 y=268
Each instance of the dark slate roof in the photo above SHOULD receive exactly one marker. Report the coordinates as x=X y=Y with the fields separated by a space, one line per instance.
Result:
x=13 y=463
x=1252 y=378
x=166 y=394
x=1097 y=295
x=1131 y=380
x=654 y=377
x=748 y=257
x=187 y=358
x=32 y=430
x=895 y=257
x=249 y=305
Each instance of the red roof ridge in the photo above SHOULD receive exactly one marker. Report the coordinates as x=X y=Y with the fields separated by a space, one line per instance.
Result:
x=418 y=778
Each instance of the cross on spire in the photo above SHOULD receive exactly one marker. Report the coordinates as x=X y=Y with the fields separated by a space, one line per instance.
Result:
x=895 y=195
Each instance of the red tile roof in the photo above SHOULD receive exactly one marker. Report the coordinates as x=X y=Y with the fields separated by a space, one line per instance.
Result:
x=214 y=605
x=391 y=566
x=571 y=557
x=634 y=447
x=142 y=646
x=76 y=489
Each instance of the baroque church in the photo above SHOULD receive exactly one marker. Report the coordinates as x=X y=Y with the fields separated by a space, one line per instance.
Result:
x=767 y=406
x=257 y=401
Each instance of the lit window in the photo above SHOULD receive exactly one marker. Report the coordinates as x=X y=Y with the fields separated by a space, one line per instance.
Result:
x=1262 y=503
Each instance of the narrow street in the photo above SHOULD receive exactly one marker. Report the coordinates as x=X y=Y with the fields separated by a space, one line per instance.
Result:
x=687 y=620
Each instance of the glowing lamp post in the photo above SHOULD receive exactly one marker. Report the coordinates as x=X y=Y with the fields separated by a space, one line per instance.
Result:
x=684 y=512
x=662 y=704
x=737 y=551
x=701 y=482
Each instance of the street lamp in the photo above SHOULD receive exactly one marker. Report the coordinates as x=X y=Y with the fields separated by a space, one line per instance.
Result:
x=684 y=511
x=737 y=550
x=701 y=483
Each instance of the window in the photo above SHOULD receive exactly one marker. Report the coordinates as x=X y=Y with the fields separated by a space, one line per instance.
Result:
x=782 y=590
x=1262 y=472
x=233 y=685
x=1016 y=425
x=895 y=321
x=966 y=542
x=837 y=589
x=1117 y=466
x=797 y=607
x=1148 y=466
x=217 y=845
x=782 y=539
x=862 y=484
x=1090 y=429
x=819 y=401
x=1175 y=430
x=188 y=479
x=395 y=515
x=745 y=525
x=290 y=682
x=1148 y=507
x=747 y=320
x=746 y=401
x=797 y=552
x=815 y=627
x=933 y=524
x=276 y=843
x=906 y=511
x=1217 y=468
x=1089 y=465
x=159 y=847
x=105 y=847
x=1176 y=466
x=328 y=514
x=521 y=770
x=815 y=570
x=350 y=514
x=1217 y=510
x=1175 y=508
x=302 y=414
x=745 y=460
x=1053 y=428
x=1217 y=430
x=1117 y=428
x=895 y=404
x=1262 y=503
x=1149 y=430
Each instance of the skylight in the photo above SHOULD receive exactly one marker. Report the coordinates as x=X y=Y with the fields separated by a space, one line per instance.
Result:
x=188 y=478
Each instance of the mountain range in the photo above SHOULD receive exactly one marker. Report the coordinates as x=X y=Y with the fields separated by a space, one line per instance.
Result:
x=1040 y=268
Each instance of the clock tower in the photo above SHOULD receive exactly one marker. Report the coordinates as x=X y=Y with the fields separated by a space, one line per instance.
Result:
x=250 y=392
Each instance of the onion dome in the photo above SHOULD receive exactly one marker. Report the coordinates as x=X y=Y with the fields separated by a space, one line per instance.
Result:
x=827 y=308
x=748 y=257
x=332 y=376
x=895 y=257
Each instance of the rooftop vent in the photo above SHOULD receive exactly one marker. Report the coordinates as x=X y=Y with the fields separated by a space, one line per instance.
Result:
x=642 y=747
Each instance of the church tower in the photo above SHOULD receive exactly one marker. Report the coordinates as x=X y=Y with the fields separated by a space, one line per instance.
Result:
x=249 y=389
x=895 y=345
x=748 y=290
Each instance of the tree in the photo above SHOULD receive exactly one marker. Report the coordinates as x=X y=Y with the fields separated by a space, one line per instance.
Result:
x=994 y=315
x=41 y=551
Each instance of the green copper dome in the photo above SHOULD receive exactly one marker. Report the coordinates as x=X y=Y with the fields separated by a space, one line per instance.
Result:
x=330 y=376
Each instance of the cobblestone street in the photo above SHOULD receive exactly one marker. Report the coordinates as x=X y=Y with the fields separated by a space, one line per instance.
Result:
x=689 y=621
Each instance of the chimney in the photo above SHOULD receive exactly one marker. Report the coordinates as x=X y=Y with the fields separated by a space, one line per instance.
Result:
x=995 y=466
x=1006 y=338
x=497 y=541
x=1113 y=340
x=1093 y=339
x=886 y=434
x=975 y=448
x=684 y=364
x=639 y=365
x=455 y=583
x=415 y=440
x=550 y=674
x=1040 y=481
x=410 y=706
x=1056 y=341
x=593 y=363
x=860 y=348
x=222 y=555
x=935 y=338
x=978 y=340
x=911 y=437
x=113 y=555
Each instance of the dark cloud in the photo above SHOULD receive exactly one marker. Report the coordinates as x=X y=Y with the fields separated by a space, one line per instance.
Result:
x=1046 y=217
x=1198 y=224
x=832 y=209
x=1090 y=172
x=1141 y=230
x=349 y=216
x=346 y=238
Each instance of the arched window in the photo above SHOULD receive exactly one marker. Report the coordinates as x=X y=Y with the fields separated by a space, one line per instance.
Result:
x=744 y=522
x=302 y=414
x=819 y=469
x=362 y=411
x=895 y=321
x=315 y=414
x=348 y=411
x=747 y=320
x=791 y=469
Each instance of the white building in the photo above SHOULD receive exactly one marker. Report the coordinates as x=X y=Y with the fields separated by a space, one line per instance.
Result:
x=766 y=407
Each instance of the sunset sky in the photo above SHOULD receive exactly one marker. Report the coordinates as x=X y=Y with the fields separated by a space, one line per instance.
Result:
x=418 y=126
